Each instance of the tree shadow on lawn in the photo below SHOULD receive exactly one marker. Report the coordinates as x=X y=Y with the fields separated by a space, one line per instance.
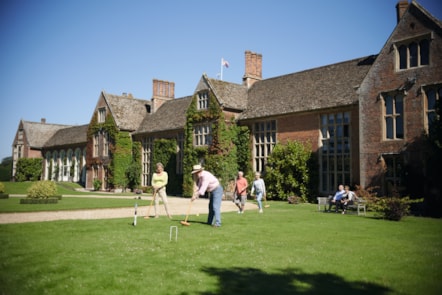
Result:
x=287 y=281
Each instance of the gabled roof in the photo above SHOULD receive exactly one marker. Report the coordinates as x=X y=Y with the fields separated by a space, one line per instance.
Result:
x=127 y=112
x=230 y=95
x=320 y=88
x=68 y=136
x=38 y=133
x=170 y=116
x=425 y=12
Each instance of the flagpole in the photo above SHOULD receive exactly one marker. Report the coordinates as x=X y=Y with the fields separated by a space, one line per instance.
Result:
x=222 y=65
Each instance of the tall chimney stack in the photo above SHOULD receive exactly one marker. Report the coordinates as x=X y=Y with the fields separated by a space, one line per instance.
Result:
x=162 y=92
x=401 y=7
x=253 y=68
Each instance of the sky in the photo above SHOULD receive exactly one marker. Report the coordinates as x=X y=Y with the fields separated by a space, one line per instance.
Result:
x=56 y=56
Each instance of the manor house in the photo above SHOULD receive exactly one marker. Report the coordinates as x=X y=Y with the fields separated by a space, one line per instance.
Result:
x=364 y=118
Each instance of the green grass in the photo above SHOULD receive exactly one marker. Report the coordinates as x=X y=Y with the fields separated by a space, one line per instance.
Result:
x=290 y=249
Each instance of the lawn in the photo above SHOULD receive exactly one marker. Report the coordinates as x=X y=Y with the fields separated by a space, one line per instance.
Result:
x=290 y=249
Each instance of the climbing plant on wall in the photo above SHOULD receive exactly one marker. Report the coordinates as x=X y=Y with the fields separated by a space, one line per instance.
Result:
x=164 y=151
x=121 y=159
x=221 y=157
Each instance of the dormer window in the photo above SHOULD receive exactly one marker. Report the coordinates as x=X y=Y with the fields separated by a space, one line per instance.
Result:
x=413 y=53
x=203 y=100
x=101 y=115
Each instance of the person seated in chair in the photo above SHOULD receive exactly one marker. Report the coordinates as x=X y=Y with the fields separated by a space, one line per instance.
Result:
x=336 y=199
x=348 y=198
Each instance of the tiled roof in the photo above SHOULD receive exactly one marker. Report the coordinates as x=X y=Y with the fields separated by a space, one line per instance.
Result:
x=127 y=112
x=170 y=116
x=38 y=133
x=68 y=136
x=229 y=94
x=320 y=88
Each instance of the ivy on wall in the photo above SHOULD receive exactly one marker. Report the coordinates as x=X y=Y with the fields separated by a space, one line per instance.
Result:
x=164 y=151
x=121 y=159
x=120 y=163
x=221 y=157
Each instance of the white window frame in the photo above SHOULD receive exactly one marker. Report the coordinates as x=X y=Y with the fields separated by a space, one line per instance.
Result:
x=202 y=134
x=394 y=117
x=264 y=140
x=203 y=100
x=101 y=115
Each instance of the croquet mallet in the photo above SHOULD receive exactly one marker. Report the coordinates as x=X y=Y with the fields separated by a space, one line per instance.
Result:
x=151 y=203
x=265 y=201
x=184 y=222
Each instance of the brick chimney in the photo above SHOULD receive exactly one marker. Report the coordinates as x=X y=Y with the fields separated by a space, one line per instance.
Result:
x=401 y=7
x=253 y=71
x=162 y=92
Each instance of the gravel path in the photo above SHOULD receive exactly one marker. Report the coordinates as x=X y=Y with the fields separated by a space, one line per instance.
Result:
x=177 y=206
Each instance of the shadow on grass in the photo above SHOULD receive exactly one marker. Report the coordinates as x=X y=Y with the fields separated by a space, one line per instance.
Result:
x=287 y=281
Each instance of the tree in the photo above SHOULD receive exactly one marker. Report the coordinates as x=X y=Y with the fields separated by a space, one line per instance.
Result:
x=6 y=169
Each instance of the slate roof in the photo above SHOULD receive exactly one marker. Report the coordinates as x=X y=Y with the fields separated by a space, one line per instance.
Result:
x=38 y=133
x=229 y=95
x=170 y=116
x=127 y=112
x=69 y=136
x=319 y=88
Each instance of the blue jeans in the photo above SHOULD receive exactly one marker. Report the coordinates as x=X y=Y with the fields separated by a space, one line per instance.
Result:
x=216 y=197
x=259 y=200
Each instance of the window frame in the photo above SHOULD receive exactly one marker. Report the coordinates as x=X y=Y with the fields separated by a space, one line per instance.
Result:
x=203 y=98
x=101 y=115
x=392 y=117
x=407 y=59
x=335 y=155
x=430 y=111
x=202 y=134
x=264 y=140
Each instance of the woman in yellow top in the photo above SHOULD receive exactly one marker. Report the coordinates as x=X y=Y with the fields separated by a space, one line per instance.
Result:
x=159 y=182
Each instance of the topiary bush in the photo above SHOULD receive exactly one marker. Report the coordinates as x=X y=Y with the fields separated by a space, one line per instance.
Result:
x=42 y=190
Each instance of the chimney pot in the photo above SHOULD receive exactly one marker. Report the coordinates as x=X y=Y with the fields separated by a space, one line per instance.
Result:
x=401 y=7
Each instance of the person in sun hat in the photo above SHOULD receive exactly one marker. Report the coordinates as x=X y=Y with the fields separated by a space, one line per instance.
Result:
x=207 y=182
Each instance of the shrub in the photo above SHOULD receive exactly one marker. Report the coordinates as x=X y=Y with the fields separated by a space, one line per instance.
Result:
x=42 y=189
x=394 y=208
x=97 y=184
x=2 y=188
x=287 y=171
